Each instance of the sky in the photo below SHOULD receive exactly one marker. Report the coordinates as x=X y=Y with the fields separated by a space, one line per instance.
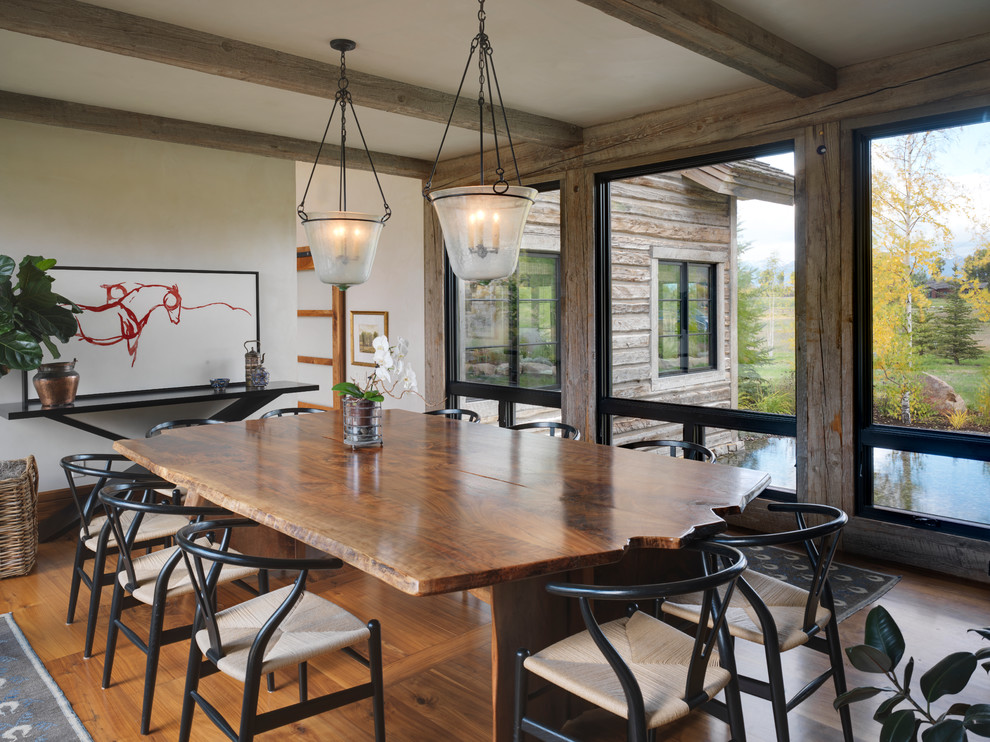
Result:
x=966 y=161
x=768 y=227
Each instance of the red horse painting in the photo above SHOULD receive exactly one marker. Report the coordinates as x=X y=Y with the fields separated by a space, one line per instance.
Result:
x=134 y=304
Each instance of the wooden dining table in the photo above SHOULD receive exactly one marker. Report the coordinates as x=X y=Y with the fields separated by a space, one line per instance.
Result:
x=446 y=505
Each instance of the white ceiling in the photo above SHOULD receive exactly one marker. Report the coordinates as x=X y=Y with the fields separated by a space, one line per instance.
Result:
x=556 y=58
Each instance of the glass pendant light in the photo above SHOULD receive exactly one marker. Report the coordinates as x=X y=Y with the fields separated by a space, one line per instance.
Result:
x=482 y=225
x=343 y=243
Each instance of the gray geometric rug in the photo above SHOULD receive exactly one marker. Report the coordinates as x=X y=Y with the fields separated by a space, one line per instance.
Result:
x=32 y=706
x=853 y=588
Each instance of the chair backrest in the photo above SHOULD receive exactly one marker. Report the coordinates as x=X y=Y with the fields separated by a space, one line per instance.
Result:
x=103 y=468
x=688 y=450
x=722 y=566
x=188 y=423
x=282 y=411
x=141 y=499
x=562 y=429
x=456 y=413
x=819 y=542
x=204 y=565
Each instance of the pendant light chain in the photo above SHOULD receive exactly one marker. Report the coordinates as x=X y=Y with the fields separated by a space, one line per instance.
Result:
x=486 y=77
x=341 y=98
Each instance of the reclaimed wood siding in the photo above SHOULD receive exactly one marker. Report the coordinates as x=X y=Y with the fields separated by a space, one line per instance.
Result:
x=693 y=223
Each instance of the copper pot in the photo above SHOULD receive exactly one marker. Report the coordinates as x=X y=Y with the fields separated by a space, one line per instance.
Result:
x=56 y=383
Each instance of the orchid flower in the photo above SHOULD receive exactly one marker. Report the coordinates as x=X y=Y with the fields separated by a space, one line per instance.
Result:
x=391 y=370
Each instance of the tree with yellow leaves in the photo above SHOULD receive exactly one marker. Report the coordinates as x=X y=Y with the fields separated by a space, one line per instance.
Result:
x=911 y=202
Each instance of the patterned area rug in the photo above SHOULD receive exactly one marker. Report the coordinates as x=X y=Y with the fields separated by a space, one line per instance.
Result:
x=32 y=707
x=853 y=588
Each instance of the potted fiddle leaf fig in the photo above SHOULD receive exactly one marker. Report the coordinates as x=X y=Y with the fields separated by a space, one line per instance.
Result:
x=882 y=652
x=32 y=315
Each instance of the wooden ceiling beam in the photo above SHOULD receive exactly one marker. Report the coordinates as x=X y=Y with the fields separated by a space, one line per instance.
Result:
x=35 y=110
x=134 y=36
x=717 y=33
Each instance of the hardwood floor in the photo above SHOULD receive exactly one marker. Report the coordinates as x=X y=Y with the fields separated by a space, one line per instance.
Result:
x=436 y=653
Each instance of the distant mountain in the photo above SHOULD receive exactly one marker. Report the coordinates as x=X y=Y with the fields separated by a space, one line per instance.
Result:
x=788 y=268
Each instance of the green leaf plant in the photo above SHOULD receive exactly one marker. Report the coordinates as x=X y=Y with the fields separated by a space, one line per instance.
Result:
x=881 y=654
x=31 y=314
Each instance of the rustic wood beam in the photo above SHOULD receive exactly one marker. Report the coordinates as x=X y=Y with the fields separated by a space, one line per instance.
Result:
x=131 y=35
x=717 y=33
x=36 y=110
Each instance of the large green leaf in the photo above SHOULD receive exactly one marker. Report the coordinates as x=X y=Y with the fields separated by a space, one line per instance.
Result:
x=854 y=695
x=886 y=708
x=34 y=288
x=950 y=730
x=19 y=350
x=7 y=266
x=869 y=659
x=883 y=633
x=949 y=675
x=900 y=726
x=977 y=719
x=6 y=305
x=985 y=633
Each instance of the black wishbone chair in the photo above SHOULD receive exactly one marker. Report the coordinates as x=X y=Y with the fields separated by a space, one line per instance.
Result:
x=457 y=413
x=288 y=626
x=687 y=449
x=781 y=616
x=552 y=427
x=639 y=667
x=283 y=411
x=95 y=535
x=174 y=424
x=151 y=579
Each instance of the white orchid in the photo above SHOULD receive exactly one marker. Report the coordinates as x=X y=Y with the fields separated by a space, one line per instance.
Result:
x=391 y=370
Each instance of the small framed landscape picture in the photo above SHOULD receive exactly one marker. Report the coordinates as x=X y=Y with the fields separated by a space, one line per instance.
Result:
x=365 y=327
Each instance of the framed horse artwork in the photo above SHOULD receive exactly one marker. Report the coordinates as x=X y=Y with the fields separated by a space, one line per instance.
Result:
x=144 y=329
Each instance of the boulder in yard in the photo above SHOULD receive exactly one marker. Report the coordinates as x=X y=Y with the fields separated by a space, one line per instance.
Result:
x=940 y=395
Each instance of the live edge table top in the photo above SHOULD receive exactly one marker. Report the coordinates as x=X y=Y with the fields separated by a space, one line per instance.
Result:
x=447 y=505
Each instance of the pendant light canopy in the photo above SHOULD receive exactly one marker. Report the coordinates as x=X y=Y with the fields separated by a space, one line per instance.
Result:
x=482 y=225
x=343 y=243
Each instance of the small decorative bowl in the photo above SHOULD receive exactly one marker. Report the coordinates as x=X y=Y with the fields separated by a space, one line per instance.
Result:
x=219 y=385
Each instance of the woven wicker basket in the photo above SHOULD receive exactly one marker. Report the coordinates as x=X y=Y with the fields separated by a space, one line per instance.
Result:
x=19 y=520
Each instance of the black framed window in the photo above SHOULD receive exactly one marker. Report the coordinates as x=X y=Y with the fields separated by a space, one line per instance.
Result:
x=503 y=349
x=510 y=327
x=696 y=325
x=685 y=322
x=923 y=323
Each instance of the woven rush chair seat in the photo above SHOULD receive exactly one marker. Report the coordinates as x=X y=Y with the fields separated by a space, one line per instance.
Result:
x=271 y=631
x=153 y=527
x=315 y=626
x=658 y=655
x=153 y=578
x=785 y=602
x=95 y=539
x=639 y=668
x=782 y=617
x=148 y=567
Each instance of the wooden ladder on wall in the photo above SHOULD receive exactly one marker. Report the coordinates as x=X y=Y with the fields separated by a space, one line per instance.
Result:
x=336 y=314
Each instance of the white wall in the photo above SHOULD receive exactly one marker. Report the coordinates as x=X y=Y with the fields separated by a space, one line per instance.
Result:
x=396 y=283
x=96 y=199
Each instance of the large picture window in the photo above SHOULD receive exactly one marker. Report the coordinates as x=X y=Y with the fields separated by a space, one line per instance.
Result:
x=924 y=308
x=697 y=330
